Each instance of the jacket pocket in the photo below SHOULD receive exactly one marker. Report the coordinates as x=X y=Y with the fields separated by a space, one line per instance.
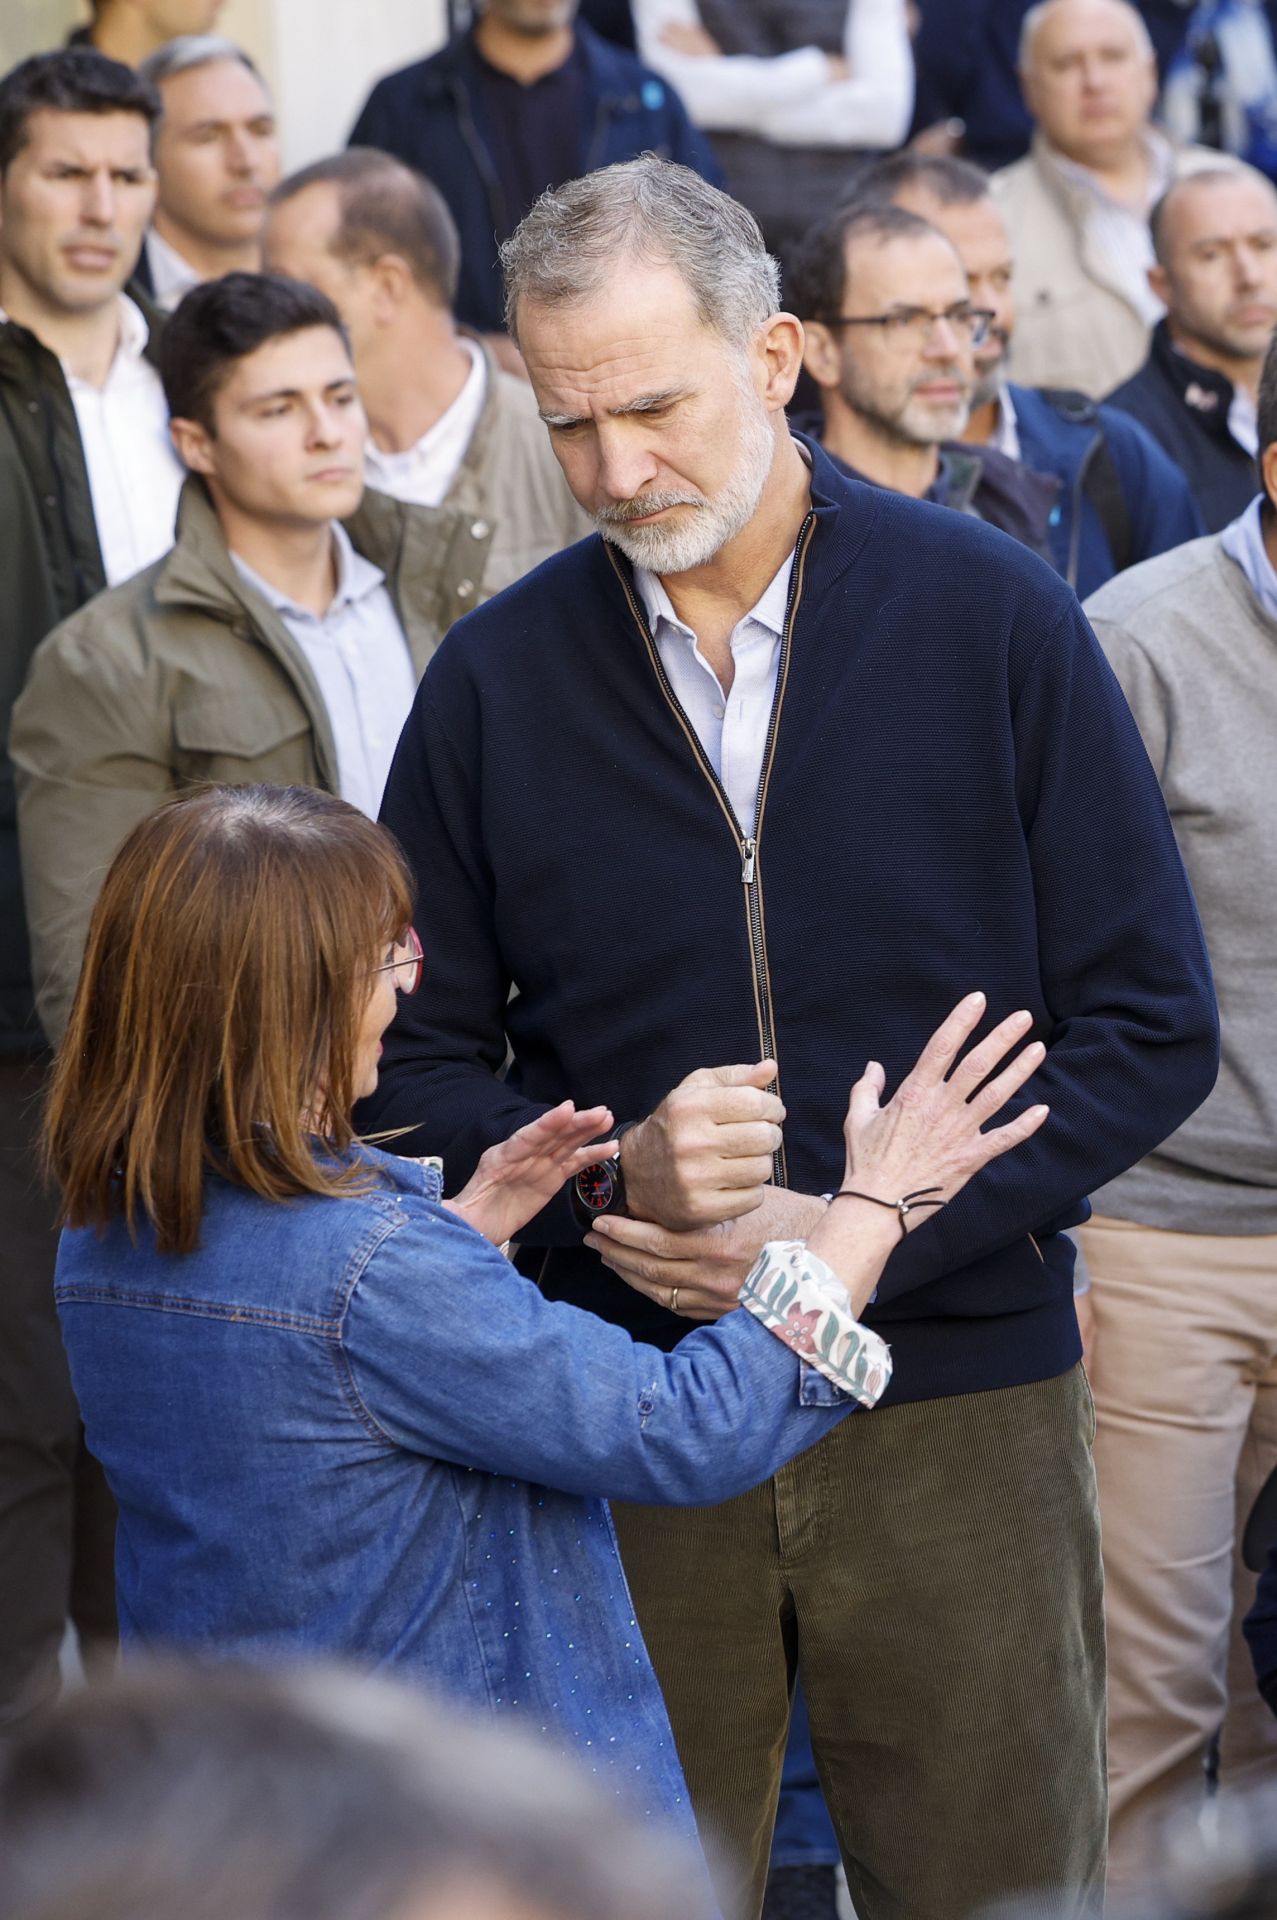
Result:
x=240 y=738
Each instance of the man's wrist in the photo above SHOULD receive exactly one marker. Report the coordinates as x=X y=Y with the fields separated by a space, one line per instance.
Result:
x=627 y=1137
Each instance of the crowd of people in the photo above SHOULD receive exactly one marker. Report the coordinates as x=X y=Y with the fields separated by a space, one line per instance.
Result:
x=636 y=817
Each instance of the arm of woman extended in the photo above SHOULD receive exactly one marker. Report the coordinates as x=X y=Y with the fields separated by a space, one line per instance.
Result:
x=454 y=1355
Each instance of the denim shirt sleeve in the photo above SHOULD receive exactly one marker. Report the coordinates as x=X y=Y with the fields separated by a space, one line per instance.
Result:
x=455 y=1355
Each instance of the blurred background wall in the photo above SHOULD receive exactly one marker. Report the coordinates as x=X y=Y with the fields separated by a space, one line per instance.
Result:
x=320 y=56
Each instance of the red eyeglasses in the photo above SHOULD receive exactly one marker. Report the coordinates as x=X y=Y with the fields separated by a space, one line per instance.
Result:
x=407 y=965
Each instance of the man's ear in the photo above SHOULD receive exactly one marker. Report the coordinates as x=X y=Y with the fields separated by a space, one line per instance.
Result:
x=392 y=282
x=193 y=445
x=780 y=343
x=1159 y=281
x=820 y=353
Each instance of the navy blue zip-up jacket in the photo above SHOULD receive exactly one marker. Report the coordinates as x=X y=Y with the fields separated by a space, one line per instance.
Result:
x=1185 y=407
x=1062 y=435
x=430 y=115
x=954 y=796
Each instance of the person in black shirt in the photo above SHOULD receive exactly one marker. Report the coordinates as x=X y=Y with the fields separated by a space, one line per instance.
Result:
x=529 y=98
x=1215 y=233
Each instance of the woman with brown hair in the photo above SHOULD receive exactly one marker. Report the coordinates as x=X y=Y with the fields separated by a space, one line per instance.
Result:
x=335 y=1418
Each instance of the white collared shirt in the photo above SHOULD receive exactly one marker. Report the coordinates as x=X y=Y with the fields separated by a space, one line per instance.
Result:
x=1120 y=233
x=359 y=657
x=1243 y=422
x=172 y=277
x=134 y=474
x=731 y=727
x=423 y=474
x=1005 y=437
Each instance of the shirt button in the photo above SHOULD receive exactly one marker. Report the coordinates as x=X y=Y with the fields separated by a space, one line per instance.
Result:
x=33 y=406
x=464 y=589
x=480 y=529
x=718 y=713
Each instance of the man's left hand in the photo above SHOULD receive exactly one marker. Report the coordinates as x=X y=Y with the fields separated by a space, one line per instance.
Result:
x=706 y=1265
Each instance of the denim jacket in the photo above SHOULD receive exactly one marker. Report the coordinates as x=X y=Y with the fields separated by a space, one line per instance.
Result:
x=349 y=1426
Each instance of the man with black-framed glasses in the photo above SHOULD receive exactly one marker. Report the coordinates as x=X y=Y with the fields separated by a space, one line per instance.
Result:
x=891 y=331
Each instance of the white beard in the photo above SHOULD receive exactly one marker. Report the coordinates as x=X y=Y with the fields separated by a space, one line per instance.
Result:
x=678 y=548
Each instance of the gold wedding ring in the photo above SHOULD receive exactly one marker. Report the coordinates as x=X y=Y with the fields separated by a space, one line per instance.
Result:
x=673 y=1299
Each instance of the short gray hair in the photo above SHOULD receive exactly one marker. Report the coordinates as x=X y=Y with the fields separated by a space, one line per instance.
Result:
x=191 y=50
x=1036 y=15
x=567 y=245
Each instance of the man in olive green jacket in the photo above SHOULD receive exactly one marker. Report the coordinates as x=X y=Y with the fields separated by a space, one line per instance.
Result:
x=209 y=666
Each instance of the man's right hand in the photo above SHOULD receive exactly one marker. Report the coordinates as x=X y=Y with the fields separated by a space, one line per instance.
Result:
x=705 y=1154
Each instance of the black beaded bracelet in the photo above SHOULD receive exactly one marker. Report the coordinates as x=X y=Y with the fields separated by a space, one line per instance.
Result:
x=903 y=1207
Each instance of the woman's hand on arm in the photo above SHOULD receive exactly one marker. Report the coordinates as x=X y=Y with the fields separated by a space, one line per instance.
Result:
x=516 y=1178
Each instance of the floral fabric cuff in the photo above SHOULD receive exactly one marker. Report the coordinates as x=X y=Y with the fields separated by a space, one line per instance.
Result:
x=804 y=1303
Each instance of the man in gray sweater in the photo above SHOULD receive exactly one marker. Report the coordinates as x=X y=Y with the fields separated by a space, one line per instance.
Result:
x=1183 y=1248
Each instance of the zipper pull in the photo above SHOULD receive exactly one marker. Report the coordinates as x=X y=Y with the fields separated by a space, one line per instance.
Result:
x=748 y=850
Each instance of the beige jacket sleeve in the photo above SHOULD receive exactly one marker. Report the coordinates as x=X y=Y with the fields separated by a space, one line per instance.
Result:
x=92 y=758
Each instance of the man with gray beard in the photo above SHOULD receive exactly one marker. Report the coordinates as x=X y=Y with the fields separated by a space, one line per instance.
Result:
x=779 y=766
x=891 y=336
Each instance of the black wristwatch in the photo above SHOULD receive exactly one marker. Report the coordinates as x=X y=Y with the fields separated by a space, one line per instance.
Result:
x=599 y=1189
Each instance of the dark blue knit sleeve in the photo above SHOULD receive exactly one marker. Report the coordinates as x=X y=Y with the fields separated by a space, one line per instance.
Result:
x=1134 y=1037
x=444 y=1054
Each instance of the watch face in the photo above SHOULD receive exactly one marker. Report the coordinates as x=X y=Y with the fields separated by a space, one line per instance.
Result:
x=595 y=1187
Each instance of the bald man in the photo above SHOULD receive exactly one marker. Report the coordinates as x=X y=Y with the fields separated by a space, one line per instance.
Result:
x=1078 y=204
x=1215 y=240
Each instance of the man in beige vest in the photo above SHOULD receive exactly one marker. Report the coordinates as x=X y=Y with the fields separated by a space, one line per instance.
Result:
x=1078 y=204
x=446 y=426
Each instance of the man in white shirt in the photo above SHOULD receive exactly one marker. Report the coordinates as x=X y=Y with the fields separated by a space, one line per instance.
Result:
x=446 y=425
x=217 y=160
x=88 y=490
x=1078 y=204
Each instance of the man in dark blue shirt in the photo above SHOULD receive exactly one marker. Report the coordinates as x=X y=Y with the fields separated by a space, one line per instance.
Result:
x=527 y=99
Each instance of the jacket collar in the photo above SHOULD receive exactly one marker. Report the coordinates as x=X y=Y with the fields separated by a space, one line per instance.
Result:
x=16 y=340
x=200 y=573
x=1206 y=393
x=466 y=493
x=200 y=576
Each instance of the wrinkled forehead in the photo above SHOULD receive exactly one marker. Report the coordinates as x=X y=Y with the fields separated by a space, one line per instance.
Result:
x=638 y=334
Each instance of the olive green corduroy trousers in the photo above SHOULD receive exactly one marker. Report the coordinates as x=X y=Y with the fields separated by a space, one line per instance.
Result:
x=935 y=1568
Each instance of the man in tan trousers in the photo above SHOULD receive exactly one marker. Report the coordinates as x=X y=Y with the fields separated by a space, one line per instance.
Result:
x=1183 y=1248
